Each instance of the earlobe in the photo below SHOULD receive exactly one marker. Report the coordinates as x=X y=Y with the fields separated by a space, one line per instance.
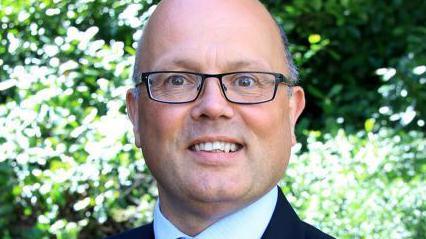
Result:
x=296 y=106
x=133 y=114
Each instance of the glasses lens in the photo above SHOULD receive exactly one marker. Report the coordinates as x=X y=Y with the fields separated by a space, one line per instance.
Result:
x=174 y=87
x=249 y=87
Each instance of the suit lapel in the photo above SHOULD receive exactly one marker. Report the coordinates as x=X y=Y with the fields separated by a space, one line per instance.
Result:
x=147 y=232
x=284 y=221
x=150 y=232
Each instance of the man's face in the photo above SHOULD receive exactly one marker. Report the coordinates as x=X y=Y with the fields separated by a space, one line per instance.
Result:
x=193 y=39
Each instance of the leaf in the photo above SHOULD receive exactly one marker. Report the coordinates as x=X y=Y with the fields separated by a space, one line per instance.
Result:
x=369 y=125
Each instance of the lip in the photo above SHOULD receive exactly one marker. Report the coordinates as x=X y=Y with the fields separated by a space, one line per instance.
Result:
x=216 y=138
x=216 y=158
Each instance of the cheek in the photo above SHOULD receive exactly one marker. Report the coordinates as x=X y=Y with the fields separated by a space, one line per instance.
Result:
x=161 y=124
x=268 y=122
x=269 y=143
x=270 y=137
x=161 y=127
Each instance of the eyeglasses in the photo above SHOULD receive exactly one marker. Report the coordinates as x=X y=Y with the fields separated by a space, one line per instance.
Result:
x=176 y=87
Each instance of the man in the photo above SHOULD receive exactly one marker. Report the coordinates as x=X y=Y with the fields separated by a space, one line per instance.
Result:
x=214 y=110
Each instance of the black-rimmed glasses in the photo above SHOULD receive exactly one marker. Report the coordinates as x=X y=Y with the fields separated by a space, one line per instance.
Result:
x=176 y=87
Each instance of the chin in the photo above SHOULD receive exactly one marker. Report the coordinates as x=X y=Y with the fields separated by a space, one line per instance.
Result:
x=217 y=192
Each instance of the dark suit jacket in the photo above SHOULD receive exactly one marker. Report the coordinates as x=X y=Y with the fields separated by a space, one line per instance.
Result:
x=284 y=224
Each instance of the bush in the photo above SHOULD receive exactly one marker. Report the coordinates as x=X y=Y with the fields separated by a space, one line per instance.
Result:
x=366 y=185
x=339 y=45
x=68 y=167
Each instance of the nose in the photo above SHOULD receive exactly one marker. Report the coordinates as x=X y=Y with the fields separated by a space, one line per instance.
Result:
x=211 y=103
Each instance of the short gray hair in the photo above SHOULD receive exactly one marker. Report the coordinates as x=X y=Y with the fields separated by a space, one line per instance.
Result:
x=293 y=72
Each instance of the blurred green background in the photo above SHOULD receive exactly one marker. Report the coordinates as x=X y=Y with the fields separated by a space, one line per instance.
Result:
x=68 y=167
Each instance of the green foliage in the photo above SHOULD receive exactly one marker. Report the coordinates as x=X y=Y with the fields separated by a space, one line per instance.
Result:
x=367 y=185
x=68 y=167
x=339 y=45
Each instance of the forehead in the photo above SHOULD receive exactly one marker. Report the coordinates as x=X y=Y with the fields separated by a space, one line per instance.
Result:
x=225 y=34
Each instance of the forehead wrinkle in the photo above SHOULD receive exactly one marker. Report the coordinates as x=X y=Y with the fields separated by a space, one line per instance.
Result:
x=213 y=59
x=194 y=65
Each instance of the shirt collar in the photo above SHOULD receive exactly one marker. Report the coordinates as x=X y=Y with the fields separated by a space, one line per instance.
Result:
x=239 y=224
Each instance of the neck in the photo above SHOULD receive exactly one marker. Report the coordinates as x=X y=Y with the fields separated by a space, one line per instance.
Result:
x=196 y=218
x=193 y=217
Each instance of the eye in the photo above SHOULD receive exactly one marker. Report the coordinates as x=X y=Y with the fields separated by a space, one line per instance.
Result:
x=176 y=80
x=245 y=81
x=172 y=80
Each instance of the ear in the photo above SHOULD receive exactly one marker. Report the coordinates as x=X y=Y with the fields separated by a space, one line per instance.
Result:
x=296 y=106
x=132 y=104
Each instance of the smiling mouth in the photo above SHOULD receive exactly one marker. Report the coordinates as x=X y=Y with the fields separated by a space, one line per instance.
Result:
x=216 y=147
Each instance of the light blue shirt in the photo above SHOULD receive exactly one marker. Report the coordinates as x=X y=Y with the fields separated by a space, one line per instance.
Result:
x=248 y=223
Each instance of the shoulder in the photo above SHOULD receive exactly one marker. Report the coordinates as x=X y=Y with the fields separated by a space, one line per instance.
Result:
x=286 y=224
x=145 y=231
x=313 y=233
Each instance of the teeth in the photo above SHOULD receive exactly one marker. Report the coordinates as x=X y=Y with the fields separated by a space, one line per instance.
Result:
x=216 y=146
x=227 y=147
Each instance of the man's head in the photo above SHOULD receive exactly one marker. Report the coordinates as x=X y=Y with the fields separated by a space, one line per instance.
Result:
x=215 y=36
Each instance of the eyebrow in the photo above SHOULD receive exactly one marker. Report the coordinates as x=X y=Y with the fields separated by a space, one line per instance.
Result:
x=190 y=64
